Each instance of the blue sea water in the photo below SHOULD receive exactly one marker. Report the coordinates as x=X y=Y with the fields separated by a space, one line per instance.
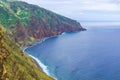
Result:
x=88 y=55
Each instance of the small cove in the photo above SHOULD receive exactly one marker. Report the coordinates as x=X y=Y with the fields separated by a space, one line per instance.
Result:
x=88 y=55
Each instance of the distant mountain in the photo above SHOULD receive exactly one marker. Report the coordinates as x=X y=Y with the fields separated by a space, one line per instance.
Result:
x=28 y=23
x=14 y=64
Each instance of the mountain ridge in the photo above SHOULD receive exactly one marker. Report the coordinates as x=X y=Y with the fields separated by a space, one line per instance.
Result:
x=28 y=23
x=22 y=24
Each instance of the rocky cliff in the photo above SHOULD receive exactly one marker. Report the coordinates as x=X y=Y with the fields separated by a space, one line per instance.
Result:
x=28 y=23
x=24 y=24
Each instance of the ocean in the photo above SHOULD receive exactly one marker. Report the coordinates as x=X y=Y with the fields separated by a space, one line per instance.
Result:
x=87 y=55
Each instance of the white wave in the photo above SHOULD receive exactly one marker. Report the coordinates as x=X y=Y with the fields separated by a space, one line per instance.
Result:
x=44 y=67
x=41 y=65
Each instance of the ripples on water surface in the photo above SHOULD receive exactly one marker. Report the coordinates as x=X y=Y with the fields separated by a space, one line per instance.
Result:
x=89 y=55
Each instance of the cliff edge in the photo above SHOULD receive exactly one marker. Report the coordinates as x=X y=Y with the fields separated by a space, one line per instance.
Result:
x=28 y=23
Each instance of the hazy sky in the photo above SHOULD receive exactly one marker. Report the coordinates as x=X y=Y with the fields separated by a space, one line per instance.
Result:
x=83 y=9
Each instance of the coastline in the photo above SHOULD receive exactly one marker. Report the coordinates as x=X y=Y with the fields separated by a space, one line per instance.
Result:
x=40 y=65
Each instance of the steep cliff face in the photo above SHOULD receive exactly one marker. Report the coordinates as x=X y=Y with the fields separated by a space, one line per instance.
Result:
x=15 y=65
x=24 y=24
x=29 y=23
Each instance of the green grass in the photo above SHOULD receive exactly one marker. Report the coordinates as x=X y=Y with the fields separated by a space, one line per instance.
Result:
x=16 y=65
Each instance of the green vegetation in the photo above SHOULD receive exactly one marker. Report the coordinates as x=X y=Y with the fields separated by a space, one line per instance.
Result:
x=25 y=24
x=16 y=65
x=28 y=23
x=7 y=18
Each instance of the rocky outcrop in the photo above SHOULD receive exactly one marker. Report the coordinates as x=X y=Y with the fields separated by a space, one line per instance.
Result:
x=29 y=23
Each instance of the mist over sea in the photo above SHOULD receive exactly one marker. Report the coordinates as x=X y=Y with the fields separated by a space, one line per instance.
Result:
x=88 y=55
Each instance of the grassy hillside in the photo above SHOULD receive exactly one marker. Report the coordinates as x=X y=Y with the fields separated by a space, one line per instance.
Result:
x=28 y=23
x=24 y=24
x=15 y=65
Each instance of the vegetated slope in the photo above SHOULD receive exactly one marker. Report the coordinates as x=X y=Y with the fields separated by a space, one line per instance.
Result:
x=28 y=23
x=14 y=64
